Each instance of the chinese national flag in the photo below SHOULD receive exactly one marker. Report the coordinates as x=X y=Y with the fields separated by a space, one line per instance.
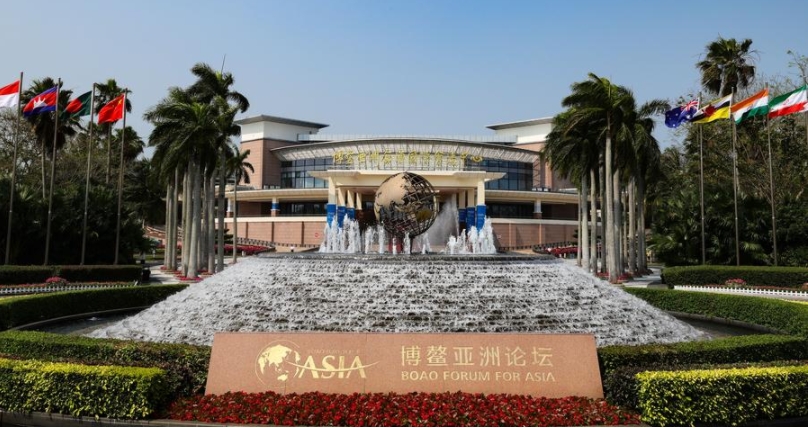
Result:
x=113 y=110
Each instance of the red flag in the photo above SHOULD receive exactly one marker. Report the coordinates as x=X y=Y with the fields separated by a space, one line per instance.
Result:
x=10 y=95
x=113 y=110
x=41 y=103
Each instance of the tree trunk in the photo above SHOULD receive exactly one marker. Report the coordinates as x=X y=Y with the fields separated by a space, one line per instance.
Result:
x=175 y=220
x=605 y=216
x=593 y=214
x=186 y=219
x=632 y=228
x=211 y=224
x=583 y=236
x=169 y=203
x=203 y=229
x=616 y=223
x=222 y=205
x=196 y=215
x=235 y=221
x=578 y=240
x=611 y=244
x=642 y=260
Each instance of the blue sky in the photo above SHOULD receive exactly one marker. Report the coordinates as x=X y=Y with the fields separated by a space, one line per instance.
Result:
x=393 y=66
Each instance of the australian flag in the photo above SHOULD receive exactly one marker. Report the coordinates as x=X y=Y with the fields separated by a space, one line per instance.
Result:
x=681 y=114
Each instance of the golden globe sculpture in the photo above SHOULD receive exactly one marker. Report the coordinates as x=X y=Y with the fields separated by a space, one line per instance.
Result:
x=406 y=203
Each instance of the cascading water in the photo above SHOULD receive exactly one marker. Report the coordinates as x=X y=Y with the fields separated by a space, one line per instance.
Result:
x=434 y=293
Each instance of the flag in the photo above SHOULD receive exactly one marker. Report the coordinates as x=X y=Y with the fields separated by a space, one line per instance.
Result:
x=112 y=110
x=679 y=114
x=41 y=103
x=10 y=95
x=756 y=105
x=795 y=101
x=78 y=107
x=716 y=109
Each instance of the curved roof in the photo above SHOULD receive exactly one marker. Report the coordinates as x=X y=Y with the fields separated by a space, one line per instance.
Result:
x=406 y=144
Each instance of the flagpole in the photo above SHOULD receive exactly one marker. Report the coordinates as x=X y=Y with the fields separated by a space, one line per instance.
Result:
x=13 y=173
x=120 y=181
x=771 y=188
x=735 y=185
x=53 y=171
x=701 y=191
x=87 y=183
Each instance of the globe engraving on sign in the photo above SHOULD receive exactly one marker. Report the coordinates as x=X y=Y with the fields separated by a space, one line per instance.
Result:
x=406 y=204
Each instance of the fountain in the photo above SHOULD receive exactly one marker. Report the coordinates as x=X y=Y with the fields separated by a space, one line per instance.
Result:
x=350 y=286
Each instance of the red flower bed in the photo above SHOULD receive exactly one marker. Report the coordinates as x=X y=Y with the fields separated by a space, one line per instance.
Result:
x=415 y=409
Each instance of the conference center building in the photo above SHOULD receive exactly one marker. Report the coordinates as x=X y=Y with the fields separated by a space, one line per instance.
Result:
x=304 y=178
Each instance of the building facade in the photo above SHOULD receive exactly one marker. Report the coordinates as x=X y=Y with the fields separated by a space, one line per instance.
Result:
x=305 y=179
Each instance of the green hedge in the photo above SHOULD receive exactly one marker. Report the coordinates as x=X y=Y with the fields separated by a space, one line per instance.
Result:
x=24 y=274
x=753 y=275
x=735 y=349
x=186 y=366
x=104 y=273
x=37 y=274
x=100 y=391
x=780 y=315
x=620 y=385
x=723 y=397
x=16 y=311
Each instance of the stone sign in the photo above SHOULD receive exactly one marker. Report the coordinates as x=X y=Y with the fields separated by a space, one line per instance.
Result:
x=549 y=365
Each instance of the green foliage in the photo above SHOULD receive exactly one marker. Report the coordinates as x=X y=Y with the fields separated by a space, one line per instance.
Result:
x=723 y=397
x=780 y=315
x=38 y=274
x=24 y=274
x=103 y=273
x=753 y=275
x=619 y=364
x=78 y=390
x=17 y=311
x=186 y=366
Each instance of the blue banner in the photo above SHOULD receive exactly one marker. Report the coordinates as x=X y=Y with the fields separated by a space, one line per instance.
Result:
x=461 y=215
x=330 y=212
x=340 y=215
x=480 y=217
x=352 y=213
x=469 y=217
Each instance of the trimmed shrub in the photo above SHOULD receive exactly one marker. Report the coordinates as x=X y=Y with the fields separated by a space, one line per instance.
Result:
x=734 y=349
x=723 y=397
x=102 y=273
x=622 y=388
x=24 y=274
x=788 y=317
x=753 y=275
x=186 y=366
x=16 y=311
x=38 y=274
x=100 y=391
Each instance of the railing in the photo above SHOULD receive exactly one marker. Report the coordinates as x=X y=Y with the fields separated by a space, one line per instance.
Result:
x=755 y=291
x=37 y=289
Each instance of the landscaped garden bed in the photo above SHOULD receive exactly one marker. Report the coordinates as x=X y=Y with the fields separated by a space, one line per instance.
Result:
x=415 y=409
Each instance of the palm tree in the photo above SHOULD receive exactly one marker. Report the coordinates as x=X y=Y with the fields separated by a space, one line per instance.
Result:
x=134 y=144
x=186 y=131
x=215 y=87
x=43 y=124
x=598 y=104
x=573 y=152
x=106 y=92
x=727 y=64
x=240 y=169
x=645 y=166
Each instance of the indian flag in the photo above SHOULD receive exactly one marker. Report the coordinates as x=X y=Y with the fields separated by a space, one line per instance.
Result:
x=795 y=101
x=10 y=95
x=756 y=105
